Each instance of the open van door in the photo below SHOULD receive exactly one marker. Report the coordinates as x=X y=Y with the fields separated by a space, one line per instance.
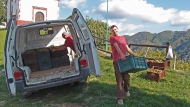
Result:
x=9 y=56
x=89 y=43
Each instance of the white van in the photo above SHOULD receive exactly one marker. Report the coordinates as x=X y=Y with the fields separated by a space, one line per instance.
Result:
x=29 y=63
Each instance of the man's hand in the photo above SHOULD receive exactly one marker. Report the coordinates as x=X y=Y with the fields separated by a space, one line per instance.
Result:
x=123 y=57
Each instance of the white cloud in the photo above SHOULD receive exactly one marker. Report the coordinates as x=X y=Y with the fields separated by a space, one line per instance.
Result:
x=123 y=11
x=141 y=11
x=129 y=28
x=72 y=3
x=136 y=9
x=125 y=28
x=86 y=11
x=181 y=18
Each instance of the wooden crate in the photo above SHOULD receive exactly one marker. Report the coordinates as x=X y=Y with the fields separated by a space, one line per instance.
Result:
x=58 y=53
x=33 y=66
x=159 y=63
x=29 y=57
x=156 y=76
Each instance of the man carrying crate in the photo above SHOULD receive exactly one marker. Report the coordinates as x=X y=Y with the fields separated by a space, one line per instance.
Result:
x=119 y=51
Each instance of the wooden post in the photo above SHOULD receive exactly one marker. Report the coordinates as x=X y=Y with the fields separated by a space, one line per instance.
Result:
x=174 y=61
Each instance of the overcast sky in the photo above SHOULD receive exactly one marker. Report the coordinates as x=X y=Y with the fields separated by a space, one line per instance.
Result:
x=133 y=16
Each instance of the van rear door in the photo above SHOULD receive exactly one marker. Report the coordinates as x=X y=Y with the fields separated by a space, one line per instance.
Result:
x=88 y=42
x=9 y=56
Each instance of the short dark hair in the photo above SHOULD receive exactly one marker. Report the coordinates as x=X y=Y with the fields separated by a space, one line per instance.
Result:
x=64 y=33
x=113 y=26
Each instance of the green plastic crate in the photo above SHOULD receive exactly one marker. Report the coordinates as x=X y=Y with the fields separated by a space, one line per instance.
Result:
x=132 y=64
x=44 y=60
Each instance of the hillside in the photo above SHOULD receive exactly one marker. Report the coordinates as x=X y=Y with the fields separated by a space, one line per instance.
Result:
x=179 y=40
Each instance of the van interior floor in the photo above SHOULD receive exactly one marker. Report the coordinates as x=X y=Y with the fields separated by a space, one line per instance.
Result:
x=51 y=71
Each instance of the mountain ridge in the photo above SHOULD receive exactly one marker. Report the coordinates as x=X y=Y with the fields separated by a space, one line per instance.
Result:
x=179 y=40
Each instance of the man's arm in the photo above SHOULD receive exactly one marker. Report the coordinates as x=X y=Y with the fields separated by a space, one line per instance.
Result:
x=119 y=51
x=63 y=47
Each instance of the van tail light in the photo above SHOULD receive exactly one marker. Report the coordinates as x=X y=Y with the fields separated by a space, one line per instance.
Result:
x=18 y=75
x=83 y=63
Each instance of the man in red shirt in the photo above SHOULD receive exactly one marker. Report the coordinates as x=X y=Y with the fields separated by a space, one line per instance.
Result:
x=119 y=51
x=68 y=41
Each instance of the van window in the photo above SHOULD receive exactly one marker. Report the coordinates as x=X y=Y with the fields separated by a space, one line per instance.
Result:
x=83 y=28
x=45 y=31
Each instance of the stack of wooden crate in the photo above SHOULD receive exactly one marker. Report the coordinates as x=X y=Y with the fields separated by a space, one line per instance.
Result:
x=59 y=57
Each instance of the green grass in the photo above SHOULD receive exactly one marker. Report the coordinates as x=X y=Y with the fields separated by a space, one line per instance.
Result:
x=2 y=40
x=172 y=91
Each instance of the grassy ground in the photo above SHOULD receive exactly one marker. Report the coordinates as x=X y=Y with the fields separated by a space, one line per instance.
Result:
x=2 y=39
x=172 y=91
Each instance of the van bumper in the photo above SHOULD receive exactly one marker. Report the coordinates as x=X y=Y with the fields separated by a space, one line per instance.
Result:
x=22 y=87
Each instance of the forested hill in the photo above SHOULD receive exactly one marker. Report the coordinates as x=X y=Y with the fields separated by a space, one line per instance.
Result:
x=179 y=40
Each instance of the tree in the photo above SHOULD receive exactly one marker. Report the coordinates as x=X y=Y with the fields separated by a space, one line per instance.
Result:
x=3 y=10
x=98 y=29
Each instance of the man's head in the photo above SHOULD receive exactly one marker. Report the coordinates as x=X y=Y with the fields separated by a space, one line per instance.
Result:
x=114 y=30
x=64 y=34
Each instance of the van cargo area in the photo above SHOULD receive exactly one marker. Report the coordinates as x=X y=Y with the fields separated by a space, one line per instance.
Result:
x=46 y=65
x=37 y=59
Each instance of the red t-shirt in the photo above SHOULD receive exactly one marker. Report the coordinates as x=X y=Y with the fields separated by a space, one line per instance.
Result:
x=69 y=42
x=121 y=41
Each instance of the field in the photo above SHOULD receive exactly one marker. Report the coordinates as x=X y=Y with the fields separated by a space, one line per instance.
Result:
x=172 y=91
x=2 y=39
